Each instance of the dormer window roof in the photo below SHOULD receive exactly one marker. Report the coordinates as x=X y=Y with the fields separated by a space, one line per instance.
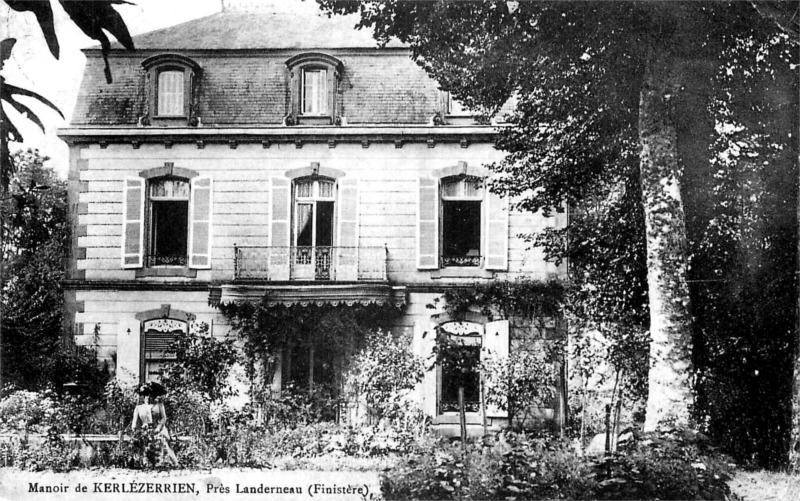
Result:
x=313 y=78
x=171 y=80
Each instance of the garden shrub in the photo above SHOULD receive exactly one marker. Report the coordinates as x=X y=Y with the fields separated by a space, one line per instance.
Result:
x=518 y=466
x=28 y=411
x=382 y=375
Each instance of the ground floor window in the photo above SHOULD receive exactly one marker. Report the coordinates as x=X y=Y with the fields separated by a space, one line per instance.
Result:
x=460 y=369
x=157 y=353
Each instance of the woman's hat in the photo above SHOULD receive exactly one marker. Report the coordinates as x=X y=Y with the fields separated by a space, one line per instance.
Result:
x=152 y=389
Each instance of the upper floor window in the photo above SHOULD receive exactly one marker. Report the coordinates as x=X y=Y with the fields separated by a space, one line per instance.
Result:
x=315 y=92
x=168 y=207
x=313 y=79
x=167 y=219
x=462 y=198
x=170 y=91
x=460 y=222
x=456 y=108
x=170 y=94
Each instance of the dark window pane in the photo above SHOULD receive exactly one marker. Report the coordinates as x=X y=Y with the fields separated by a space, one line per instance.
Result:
x=305 y=225
x=452 y=379
x=170 y=221
x=324 y=224
x=461 y=228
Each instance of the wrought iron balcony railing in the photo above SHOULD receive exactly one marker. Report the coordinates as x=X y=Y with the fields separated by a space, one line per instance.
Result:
x=310 y=263
x=448 y=261
x=165 y=260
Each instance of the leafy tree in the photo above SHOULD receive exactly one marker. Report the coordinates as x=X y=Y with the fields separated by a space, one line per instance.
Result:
x=94 y=18
x=383 y=373
x=599 y=88
x=35 y=240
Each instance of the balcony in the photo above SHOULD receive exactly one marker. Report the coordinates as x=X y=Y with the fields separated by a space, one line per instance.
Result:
x=335 y=264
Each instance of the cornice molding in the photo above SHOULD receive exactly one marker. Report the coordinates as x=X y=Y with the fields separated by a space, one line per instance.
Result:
x=243 y=135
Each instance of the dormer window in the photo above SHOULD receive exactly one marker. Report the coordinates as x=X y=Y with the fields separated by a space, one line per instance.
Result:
x=171 y=89
x=170 y=94
x=313 y=79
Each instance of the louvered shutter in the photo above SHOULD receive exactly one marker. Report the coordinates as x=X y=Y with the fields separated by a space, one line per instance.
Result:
x=279 y=228
x=496 y=232
x=200 y=223
x=133 y=222
x=424 y=341
x=495 y=347
x=427 y=224
x=347 y=235
x=128 y=350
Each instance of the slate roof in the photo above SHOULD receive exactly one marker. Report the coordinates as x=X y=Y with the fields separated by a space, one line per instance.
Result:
x=285 y=24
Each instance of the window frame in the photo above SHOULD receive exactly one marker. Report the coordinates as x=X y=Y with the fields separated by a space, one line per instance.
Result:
x=149 y=229
x=479 y=197
x=470 y=335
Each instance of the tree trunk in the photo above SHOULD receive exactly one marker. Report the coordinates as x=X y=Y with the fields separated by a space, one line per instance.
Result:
x=670 y=393
x=794 y=439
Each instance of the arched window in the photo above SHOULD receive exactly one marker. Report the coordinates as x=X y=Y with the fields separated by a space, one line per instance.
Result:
x=171 y=87
x=313 y=79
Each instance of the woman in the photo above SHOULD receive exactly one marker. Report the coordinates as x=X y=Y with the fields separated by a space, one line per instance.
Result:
x=152 y=414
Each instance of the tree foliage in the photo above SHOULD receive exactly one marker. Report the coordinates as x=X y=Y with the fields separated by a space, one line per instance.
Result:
x=35 y=240
x=570 y=76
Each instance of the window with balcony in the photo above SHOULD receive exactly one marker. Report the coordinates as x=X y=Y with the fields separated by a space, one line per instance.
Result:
x=314 y=209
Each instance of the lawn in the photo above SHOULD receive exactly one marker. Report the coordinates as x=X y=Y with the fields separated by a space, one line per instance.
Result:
x=766 y=486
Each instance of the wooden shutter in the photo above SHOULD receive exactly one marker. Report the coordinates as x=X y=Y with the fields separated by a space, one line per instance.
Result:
x=495 y=347
x=128 y=350
x=200 y=223
x=427 y=224
x=496 y=231
x=347 y=231
x=133 y=222
x=280 y=228
x=424 y=341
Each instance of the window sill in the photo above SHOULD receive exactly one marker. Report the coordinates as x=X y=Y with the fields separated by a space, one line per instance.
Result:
x=314 y=120
x=461 y=272
x=166 y=271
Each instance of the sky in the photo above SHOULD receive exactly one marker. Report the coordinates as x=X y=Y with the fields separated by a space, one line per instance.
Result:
x=32 y=67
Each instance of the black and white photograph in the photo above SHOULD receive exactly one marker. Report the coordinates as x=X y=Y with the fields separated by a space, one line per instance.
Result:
x=400 y=250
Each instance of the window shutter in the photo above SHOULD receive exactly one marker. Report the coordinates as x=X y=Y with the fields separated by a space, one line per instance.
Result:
x=347 y=238
x=424 y=341
x=200 y=223
x=495 y=347
x=428 y=224
x=128 y=350
x=279 y=228
x=133 y=222
x=496 y=231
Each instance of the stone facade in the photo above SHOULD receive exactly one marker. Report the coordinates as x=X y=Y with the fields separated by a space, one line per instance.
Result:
x=236 y=160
